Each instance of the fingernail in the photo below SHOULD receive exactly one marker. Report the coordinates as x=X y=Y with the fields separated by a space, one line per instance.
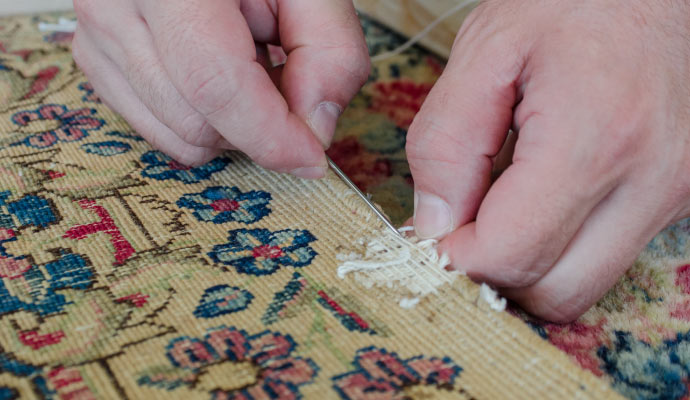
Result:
x=322 y=121
x=309 y=172
x=432 y=216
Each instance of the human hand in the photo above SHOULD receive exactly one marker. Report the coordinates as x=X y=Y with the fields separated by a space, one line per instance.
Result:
x=193 y=78
x=599 y=91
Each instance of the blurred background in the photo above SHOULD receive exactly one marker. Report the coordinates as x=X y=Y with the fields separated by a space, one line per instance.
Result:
x=9 y=7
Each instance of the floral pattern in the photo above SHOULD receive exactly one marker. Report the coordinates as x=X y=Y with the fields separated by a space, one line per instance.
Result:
x=294 y=293
x=161 y=167
x=262 y=252
x=90 y=94
x=72 y=125
x=106 y=149
x=224 y=204
x=222 y=299
x=383 y=375
x=28 y=287
x=651 y=372
x=349 y=319
x=105 y=259
x=23 y=284
x=280 y=373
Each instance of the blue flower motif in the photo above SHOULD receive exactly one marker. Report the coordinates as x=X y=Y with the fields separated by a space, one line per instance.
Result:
x=262 y=252
x=106 y=149
x=162 y=167
x=43 y=285
x=8 y=393
x=225 y=204
x=222 y=299
x=641 y=371
x=24 y=285
x=29 y=210
x=130 y=136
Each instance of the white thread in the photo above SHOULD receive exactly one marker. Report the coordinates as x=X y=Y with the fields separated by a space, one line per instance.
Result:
x=416 y=38
x=409 y=303
x=491 y=297
x=63 y=25
x=391 y=260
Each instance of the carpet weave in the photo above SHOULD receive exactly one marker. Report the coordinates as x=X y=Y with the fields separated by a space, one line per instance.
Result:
x=124 y=274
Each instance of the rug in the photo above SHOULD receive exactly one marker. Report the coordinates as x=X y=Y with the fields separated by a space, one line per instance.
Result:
x=124 y=274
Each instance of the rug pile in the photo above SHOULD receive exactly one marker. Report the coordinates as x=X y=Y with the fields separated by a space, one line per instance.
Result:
x=125 y=274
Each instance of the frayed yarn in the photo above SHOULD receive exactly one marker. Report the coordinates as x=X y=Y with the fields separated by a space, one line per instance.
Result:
x=396 y=262
x=492 y=298
x=63 y=25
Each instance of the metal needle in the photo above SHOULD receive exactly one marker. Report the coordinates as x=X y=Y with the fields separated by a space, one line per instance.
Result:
x=368 y=202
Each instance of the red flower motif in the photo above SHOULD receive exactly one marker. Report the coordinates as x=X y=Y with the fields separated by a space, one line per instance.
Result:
x=42 y=80
x=36 y=341
x=383 y=375
x=225 y=205
x=13 y=268
x=138 y=300
x=400 y=100
x=683 y=278
x=266 y=251
x=364 y=168
x=69 y=383
x=281 y=375
x=580 y=341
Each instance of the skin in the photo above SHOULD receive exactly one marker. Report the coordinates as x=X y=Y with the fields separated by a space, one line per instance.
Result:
x=192 y=76
x=597 y=90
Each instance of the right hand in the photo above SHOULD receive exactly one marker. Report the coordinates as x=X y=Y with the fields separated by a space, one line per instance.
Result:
x=192 y=76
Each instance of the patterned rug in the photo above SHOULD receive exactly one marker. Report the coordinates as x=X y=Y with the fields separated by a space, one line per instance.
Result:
x=125 y=274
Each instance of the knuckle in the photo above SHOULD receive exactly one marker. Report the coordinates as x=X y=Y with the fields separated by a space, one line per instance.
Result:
x=358 y=64
x=195 y=130
x=432 y=140
x=209 y=88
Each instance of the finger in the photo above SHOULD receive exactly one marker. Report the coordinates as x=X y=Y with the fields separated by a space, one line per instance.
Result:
x=135 y=55
x=460 y=128
x=568 y=158
x=526 y=220
x=327 y=60
x=114 y=89
x=603 y=249
x=209 y=54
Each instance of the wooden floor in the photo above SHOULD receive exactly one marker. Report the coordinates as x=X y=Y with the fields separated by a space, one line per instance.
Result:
x=411 y=16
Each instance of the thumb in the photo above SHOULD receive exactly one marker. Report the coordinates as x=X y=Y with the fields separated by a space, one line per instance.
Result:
x=460 y=128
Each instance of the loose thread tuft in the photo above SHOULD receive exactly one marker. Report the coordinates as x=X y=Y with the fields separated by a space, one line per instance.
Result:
x=491 y=297
x=395 y=262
